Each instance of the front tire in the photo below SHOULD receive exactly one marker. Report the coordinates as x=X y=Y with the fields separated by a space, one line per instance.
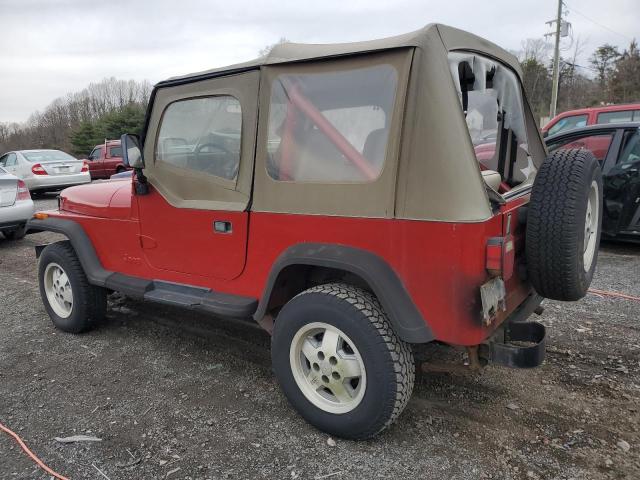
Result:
x=339 y=362
x=72 y=303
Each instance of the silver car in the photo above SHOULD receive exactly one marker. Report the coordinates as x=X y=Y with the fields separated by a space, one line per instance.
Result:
x=46 y=170
x=16 y=206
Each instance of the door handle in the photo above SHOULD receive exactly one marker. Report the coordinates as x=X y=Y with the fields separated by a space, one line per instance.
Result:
x=222 y=226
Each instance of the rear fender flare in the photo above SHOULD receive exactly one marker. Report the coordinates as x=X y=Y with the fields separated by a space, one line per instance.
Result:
x=383 y=281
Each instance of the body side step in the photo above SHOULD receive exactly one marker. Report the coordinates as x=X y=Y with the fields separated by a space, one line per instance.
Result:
x=185 y=296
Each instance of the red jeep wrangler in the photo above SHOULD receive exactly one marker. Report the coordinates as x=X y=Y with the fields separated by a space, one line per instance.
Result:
x=332 y=193
x=106 y=160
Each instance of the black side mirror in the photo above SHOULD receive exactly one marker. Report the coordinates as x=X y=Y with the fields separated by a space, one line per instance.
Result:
x=132 y=156
x=131 y=151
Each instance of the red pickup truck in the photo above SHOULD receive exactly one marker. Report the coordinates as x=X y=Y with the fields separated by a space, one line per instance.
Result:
x=106 y=159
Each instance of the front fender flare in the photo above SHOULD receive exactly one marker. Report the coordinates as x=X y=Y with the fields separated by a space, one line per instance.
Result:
x=81 y=243
x=403 y=314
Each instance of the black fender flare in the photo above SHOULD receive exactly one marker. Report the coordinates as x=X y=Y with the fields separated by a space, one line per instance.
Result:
x=403 y=314
x=96 y=274
x=81 y=243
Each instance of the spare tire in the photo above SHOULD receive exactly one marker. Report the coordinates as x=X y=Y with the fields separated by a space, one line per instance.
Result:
x=563 y=224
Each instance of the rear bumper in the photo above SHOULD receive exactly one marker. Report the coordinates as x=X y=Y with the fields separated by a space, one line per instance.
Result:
x=56 y=182
x=523 y=345
x=16 y=215
x=518 y=343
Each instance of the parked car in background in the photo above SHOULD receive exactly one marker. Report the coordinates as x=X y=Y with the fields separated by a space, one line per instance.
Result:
x=106 y=160
x=617 y=148
x=592 y=116
x=46 y=170
x=16 y=206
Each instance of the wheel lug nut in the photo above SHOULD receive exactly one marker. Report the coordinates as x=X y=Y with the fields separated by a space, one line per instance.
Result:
x=320 y=356
x=325 y=379
x=333 y=360
x=316 y=367
x=335 y=375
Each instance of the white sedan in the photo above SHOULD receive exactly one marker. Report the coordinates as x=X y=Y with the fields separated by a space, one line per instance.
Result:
x=46 y=170
x=16 y=206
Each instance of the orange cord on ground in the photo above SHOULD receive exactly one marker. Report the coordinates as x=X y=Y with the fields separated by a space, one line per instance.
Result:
x=614 y=294
x=31 y=454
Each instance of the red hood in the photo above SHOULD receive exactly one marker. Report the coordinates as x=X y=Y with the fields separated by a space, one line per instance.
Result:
x=111 y=199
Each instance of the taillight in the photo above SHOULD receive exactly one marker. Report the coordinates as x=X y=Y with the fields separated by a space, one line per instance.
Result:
x=23 y=191
x=85 y=167
x=37 y=169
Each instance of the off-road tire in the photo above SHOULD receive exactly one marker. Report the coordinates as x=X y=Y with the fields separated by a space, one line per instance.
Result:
x=555 y=233
x=15 y=234
x=89 y=302
x=388 y=361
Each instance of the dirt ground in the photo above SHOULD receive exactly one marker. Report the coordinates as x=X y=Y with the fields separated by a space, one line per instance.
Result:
x=179 y=395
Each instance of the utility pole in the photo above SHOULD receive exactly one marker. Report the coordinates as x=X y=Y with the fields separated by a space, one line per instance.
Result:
x=556 y=64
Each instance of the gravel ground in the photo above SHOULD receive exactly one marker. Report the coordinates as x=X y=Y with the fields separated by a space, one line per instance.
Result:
x=179 y=395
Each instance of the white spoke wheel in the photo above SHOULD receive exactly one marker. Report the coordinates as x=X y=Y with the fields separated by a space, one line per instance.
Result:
x=58 y=290
x=339 y=361
x=73 y=304
x=327 y=367
x=591 y=225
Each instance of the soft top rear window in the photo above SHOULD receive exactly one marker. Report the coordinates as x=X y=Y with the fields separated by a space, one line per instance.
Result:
x=47 y=156
x=491 y=100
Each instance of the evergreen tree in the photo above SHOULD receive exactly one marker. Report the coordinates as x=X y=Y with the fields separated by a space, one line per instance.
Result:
x=83 y=139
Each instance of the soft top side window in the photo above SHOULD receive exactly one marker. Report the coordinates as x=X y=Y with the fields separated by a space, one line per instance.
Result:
x=202 y=134
x=491 y=100
x=331 y=127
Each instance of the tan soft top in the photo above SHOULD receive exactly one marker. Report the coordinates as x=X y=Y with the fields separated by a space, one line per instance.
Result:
x=452 y=38
x=431 y=171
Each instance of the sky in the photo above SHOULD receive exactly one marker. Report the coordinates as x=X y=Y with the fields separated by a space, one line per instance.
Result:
x=49 y=48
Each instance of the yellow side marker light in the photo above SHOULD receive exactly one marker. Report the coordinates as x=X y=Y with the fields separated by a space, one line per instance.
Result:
x=40 y=216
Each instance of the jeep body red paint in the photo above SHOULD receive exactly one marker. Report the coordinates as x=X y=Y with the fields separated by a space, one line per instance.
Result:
x=443 y=279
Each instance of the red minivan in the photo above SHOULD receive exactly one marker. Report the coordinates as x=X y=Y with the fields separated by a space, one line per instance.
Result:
x=582 y=117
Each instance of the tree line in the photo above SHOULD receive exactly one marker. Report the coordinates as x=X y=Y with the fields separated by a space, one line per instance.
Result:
x=105 y=110
x=610 y=77
x=77 y=122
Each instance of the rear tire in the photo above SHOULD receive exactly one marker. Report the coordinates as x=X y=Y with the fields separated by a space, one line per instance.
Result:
x=339 y=362
x=564 y=225
x=72 y=303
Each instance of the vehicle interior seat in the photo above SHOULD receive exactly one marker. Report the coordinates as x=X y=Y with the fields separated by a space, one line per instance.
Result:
x=375 y=147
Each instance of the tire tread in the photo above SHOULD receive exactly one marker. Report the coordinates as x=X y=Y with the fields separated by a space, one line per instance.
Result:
x=400 y=359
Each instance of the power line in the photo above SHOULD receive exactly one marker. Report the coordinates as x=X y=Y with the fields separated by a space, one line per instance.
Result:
x=597 y=23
